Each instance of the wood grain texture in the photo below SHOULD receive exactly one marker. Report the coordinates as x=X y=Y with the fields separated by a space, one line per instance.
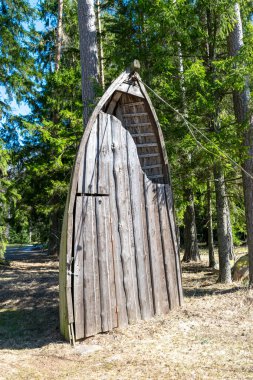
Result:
x=64 y=320
x=168 y=248
x=104 y=246
x=160 y=294
x=67 y=235
x=105 y=158
x=120 y=293
x=131 y=220
x=133 y=90
x=140 y=231
x=91 y=162
x=78 y=274
x=124 y=220
x=91 y=282
x=171 y=217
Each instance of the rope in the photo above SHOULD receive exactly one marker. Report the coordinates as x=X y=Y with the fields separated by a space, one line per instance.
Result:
x=192 y=127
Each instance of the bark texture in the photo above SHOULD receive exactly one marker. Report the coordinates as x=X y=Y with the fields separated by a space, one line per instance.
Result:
x=191 y=252
x=54 y=234
x=88 y=53
x=212 y=262
x=100 y=47
x=241 y=109
x=225 y=241
x=59 y=36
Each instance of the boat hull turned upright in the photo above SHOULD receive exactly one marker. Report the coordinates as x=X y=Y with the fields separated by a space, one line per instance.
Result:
x=119 y=257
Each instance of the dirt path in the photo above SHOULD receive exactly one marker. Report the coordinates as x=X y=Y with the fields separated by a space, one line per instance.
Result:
x=210 y=337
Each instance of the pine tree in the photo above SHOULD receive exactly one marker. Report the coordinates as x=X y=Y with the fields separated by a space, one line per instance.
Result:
x=52 y=132
x=244 y=118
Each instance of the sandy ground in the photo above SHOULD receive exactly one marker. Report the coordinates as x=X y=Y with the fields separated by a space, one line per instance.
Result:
x=210 y=337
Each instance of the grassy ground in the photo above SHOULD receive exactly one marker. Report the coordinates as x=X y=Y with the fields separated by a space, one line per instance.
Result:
x=210 y=337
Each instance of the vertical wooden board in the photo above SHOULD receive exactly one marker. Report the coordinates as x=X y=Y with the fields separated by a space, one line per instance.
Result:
x=105 y=158
x=88 y=243
x=121 y=310
x=105 y=182
x=78 y=272
x=104 y=153
x=69 y=282
x=169 y=200
x=63 y=306
x=168 y=248
x=91 y=162
x=81 y=174
x=161 y=301
x=104 y=245
x=140 y=231
x=125 y=220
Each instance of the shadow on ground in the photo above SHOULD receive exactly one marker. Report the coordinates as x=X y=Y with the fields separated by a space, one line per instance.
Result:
x=200 y=292
x=28 y=252
x=26 y=328
x=196 y=268
x=199 y=281
x=29 y=316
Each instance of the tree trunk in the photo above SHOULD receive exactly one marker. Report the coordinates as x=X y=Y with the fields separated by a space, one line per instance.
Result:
x=191 y=252
x=181 y=79
x=241 y=109
x=59 y=36
x=100 y=48
x=225 y=242
x=54 y=237
x=212 y=262
x=88 y=53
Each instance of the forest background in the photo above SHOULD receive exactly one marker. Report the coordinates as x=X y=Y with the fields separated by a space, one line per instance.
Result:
x=195 y=54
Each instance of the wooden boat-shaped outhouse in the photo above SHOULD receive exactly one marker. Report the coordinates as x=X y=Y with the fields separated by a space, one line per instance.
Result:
x=119 y=257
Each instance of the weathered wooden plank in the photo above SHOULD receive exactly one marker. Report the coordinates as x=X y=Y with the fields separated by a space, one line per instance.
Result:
x=91 y=161
x=71 y=199
x=168 y=248
x=104 y=246
x=135 y=114
x=147 y=155
x=133 y=104
x=129 y=89
x=88 y=244
x=64 y=320
x=121 y=311
x=138 y=124
x=78 y=270
x=140 y=231
x=152 y=166
x=107 y=169
x=160 y=293
x=69 y=262
x=156 y=176
x=146 y=145
x=113 y=103
x=145 y=134
x=68 y=230
x=81 y=175
x=104 y=154
x=105 y=163
x=169 y=199
x=124 y=218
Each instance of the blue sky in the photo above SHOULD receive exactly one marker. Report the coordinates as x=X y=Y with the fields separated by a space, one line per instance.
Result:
x=20 y=109
x=17 y=109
